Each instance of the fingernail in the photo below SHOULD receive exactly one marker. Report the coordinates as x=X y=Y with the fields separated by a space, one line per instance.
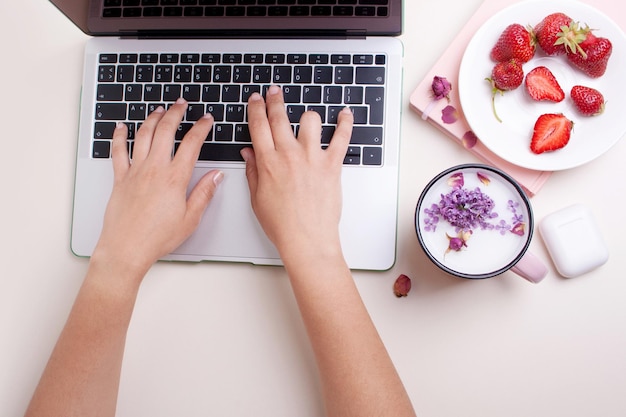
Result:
x=274 y=89
x=159 y=109
x=245 y=154
x=346 y=110
x=120 y=125
x=208 y=116
x=217 y=179
x=254 y=97
x=181 y=100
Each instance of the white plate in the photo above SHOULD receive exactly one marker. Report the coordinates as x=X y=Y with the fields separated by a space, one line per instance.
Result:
x=510 y=140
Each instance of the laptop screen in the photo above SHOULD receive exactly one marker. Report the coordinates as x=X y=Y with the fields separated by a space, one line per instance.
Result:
x=235 y=18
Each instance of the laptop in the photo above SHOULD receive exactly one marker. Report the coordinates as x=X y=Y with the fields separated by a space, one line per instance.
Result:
x=325 y=55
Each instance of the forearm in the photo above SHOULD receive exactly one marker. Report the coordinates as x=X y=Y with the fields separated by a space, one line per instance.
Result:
x=357 y=374
x=82 y=375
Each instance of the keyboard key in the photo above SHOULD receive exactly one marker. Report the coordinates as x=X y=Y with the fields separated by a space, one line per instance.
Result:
x=323 y=75
x=372 y=155
x=101 y=149
x=103 y=130
x=242 y=133
x=221 y=152
x=375 y=97
x=235 y=112
x=136 y=111
x=132 y=92
x=202 y=73
x=152 y=92
x=370 y=75
x=110 y=92
x=110 y=111
x=367 y=135
x=223 y=132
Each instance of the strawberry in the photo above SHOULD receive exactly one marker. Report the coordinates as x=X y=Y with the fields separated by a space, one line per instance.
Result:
x=558 y=34
x=517 y=42
x=552 y=131
x=592 y=56
x=505 y=76
x=588 y=101
x=541 y=84
x=547 y=32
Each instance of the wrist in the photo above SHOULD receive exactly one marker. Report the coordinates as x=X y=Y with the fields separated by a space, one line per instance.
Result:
x=121 y=273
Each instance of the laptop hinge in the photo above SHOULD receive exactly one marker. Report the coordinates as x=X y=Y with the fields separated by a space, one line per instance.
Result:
x=247 y=34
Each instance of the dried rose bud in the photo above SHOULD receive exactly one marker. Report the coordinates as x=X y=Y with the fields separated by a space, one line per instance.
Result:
x=459 y=242
x=441 y=88
x=402 y=286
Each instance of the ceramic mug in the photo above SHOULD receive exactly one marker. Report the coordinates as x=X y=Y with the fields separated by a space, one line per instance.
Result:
x=475 y=221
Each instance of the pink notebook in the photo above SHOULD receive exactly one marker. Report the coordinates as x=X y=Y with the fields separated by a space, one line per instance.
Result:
x=448 y=66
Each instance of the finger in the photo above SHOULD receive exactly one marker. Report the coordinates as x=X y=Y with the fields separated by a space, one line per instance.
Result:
x=343 y=133
x=143 y=137
x=277 y=117
x=189 y=148
x=200 y=197
x=163 y=140
x=260 y=131
x=248 y=155
x=119 y=151
x=310 y=134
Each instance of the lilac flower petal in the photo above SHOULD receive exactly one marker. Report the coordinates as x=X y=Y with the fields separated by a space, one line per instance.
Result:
x=469 y=139
x=449 y=115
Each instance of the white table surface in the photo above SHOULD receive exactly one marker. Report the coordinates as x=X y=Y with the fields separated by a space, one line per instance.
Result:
x=226 y=340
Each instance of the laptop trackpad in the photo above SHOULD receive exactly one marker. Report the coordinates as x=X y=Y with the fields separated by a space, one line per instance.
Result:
x=229 y=230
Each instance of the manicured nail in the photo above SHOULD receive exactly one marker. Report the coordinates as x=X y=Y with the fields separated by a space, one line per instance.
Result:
x=218 y=178
x=245 y=154
x=254 y=97
x=120 y=125
x=274 y=89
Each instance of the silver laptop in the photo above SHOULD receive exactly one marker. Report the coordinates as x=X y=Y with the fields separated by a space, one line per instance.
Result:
x=325 y=54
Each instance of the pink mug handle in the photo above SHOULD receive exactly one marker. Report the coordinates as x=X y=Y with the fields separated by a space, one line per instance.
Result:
x=530 y=268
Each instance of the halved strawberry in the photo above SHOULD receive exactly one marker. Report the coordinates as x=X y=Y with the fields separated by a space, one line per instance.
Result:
x=588 y=101
x=517 y=42
x=552 y=131
x=542 y=85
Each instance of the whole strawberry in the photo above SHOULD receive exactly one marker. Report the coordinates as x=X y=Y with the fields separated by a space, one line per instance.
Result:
x=505 y=76
x=551 y=132
x=592 y=56
x=557 y=33
x=588 y=101
x=516 y=42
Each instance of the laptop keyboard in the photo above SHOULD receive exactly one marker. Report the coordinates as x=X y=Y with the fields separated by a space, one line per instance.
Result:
x=131 y=86
x=275 y=8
